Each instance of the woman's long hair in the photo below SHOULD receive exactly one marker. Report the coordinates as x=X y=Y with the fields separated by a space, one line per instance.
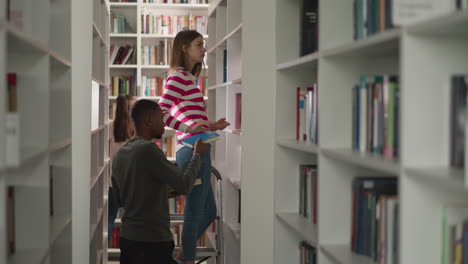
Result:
x=179 y=58
x=123 y=127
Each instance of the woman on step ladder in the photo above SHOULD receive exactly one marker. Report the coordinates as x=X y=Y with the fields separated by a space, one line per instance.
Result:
x=183 y=106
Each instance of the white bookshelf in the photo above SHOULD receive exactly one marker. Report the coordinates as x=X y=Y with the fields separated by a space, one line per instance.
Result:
x=51 y=74
x=225 y=31
x=132 y=12
x=426 y=181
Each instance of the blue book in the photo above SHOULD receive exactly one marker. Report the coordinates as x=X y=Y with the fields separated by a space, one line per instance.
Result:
x=206 y=137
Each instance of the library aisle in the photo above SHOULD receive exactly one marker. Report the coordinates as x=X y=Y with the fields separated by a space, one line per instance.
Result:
x=346 y=145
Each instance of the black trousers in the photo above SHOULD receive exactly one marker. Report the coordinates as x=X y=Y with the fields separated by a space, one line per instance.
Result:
x=136 y=252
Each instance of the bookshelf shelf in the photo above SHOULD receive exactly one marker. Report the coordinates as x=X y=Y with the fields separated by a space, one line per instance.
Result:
x=101 y=169
x=60 y=145
x=183 y=7
x=365 y=160
x=384 y=43
x=213 y=5
x=21 y=42
x=125 y=66
x=236 y=182
x=310 y=60
x=115 y=4
x=341 y=254
x=156 y=36
x=235 y=230
x=448 y=180
x=234 y=131
x=300 y=146
x=97 y=32
x=29 y=256
x=123 y=35
x=302 y=227
x=451 y=24
x=94 y=227
x=58 y=225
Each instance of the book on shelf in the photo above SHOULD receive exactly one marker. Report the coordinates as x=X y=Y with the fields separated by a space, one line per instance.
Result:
x=170 y=25
x=307 y=114
x=123 y=85
x=202 y=83
x=206 y=137
x=309 y=19
x=10 y=220
x=152 y=85
x=158 y=54
x=458 y=101
x=374 y=224
x=308 y=192
x=119 y=23
x=238 y=111
x=122 y=54
x=372 y=17
x=225 y=66
x=376 y=115
x=307 y=253
x=454 y=234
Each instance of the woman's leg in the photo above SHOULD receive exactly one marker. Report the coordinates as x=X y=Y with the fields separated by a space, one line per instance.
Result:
x=194 y=203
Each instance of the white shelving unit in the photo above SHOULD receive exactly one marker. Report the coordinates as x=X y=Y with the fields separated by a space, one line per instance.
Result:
x=132 y=13
x=51 y=74
x=426 y=181
x=99 y=180
x=225 y=77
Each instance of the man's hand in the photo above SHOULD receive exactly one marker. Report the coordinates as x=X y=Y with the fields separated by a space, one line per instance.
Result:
x=219 y=125
x=199 y=127
x=200 y=147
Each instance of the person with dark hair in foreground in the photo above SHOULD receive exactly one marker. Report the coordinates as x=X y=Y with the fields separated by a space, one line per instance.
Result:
x=141 y=175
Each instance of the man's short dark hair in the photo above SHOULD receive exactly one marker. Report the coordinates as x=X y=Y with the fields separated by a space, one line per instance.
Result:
x=140 y=108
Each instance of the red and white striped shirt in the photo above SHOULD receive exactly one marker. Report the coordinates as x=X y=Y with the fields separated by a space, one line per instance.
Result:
x=182 y=103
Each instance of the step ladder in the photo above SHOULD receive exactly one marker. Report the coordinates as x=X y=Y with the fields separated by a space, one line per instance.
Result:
x=203 y=253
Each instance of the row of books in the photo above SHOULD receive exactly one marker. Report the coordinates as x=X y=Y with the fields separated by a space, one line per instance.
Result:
x=308 y=192
x=376 y=103
x=176 y=1
x=170 y=25
x=177 y=204
x=307 y=114
x=125 y=84
x=455 y=234
x=159 y=54
x=167 y=145
x=153 y=85
x=372 y=17
x=458 y=99
x=375 y=218
x=177 y=236
x=123 y=1
x=118 y=23
x=308 y=253
x=122 y=54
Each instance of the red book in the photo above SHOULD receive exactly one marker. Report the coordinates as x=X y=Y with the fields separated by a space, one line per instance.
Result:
x=238 y=111
x=298 y=115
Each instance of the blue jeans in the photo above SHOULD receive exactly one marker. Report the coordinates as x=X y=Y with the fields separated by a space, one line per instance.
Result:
x=200 y=205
